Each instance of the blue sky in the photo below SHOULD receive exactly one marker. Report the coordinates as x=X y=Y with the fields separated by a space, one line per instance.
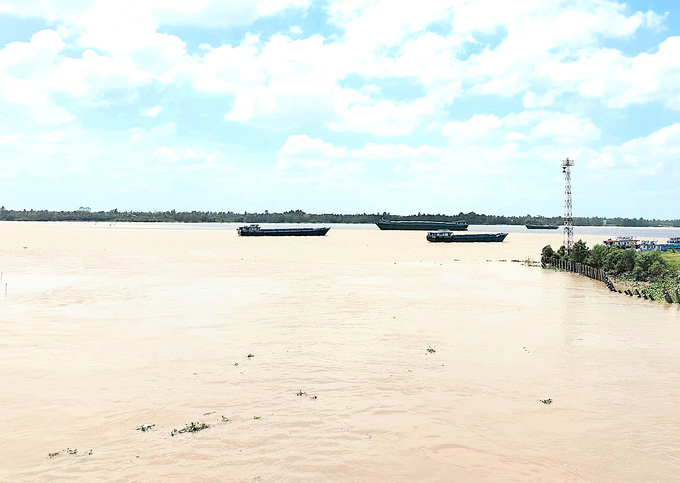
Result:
x=341 y=106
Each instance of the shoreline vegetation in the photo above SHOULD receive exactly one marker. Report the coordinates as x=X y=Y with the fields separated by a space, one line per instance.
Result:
x=299 y=216
x=654 y=272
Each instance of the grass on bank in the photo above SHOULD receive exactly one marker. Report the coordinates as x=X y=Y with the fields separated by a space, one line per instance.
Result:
x=672 y=261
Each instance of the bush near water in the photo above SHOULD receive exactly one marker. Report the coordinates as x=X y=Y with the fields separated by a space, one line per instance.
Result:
x=654 y=271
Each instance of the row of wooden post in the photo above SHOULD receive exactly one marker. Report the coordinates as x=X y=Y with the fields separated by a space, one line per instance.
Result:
x=598 y=274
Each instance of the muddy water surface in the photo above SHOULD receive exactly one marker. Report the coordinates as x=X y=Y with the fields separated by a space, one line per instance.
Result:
x=105 y=328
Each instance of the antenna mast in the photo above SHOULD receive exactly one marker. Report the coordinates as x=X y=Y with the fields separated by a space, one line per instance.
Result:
x=568 y=216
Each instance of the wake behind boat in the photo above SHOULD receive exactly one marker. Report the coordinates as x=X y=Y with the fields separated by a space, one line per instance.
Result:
x=448 y=236
x=422 y=225
x=255 y=230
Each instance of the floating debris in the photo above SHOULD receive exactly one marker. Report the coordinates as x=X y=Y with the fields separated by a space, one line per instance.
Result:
x=236 y=364
x=225 y=420
x=312 y=397
x=251 y=355
x=190 y=428
x=72 y=452
x=145 y=427
x=257 y=417
x=546 y=401
x=431 y=350
x=300 y=393
x=207 y=414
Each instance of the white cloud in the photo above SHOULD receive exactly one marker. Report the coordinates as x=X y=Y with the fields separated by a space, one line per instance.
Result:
x=11 y=139
x=203 y=13
x=150 y=111
x=167 y=129
x=52 y=137
x=538 y=126
x=646 y=156
x=565 y=129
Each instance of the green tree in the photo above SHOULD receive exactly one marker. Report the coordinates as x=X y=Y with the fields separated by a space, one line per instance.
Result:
x=656 y=269
x=598 y=254
x=579 y=252
x=547 y=254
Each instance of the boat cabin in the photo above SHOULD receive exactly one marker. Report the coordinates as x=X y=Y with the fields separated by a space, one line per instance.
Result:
x=622 y=242
x=249 y=229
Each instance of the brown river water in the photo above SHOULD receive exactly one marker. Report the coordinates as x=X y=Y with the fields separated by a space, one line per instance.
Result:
x=107 y=327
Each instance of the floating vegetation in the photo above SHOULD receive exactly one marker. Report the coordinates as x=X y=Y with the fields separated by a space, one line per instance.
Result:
x=207 y=414
x=236 y=364
x=257 y=417
x=300 y=393
x=145 y=427
x=69 y=451
x=225 y=420
x=546 y=401
x=431 y=350
x=251 y=355
x=190 y=428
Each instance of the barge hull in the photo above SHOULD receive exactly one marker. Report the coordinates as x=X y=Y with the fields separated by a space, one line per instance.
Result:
x=287 y=232
x=421 y=225
x=481 y=238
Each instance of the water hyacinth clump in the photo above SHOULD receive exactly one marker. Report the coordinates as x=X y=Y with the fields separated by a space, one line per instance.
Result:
x=190 y=428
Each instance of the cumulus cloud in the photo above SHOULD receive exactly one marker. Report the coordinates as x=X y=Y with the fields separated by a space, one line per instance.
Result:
x=10 y=139
x=150 y=111
x=539 y=126
x=645 y=156
x=423 y=87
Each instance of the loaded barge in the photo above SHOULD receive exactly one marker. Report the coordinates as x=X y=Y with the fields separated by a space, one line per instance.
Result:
x=255 y=230
x=422 y=225
x=542 y=227
x=448 y=236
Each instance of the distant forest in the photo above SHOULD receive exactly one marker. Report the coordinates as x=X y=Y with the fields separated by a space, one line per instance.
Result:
x=299 y=216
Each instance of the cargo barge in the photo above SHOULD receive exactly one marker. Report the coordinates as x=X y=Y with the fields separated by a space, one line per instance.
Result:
x=255 y=230
x=422 y=225
x=448 y=237
x=542 y=227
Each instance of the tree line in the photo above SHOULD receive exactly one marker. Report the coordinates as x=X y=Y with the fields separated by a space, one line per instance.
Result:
x=299 y=216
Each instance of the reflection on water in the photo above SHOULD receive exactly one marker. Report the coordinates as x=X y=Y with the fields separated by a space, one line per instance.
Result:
x=105 y=330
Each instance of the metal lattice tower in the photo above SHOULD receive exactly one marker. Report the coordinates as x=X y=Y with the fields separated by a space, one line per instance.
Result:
x=568 y=215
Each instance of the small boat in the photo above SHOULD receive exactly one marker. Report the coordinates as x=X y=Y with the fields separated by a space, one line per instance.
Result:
x=542 y=227
x=422 y=225
x=255 y=230
x=672 y=244
x=624 y=242
x=448 y=236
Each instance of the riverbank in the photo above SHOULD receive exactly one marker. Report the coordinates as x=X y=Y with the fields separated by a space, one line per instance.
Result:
x=653 y=273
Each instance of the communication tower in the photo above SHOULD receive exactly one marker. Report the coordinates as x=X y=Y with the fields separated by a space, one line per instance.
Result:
x=568 y=216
